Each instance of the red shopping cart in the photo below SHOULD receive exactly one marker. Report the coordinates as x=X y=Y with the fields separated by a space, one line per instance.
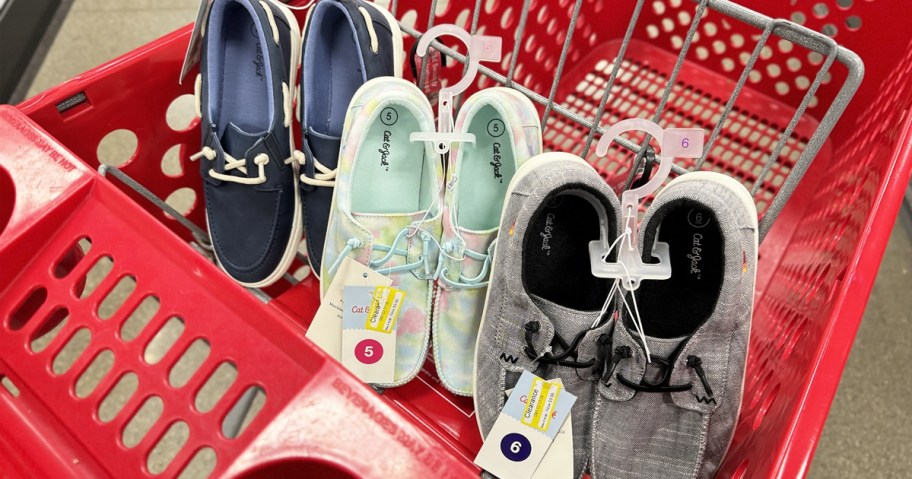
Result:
x=264 y=402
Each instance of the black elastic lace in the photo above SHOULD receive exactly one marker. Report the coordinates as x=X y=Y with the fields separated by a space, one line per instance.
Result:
x=603 y=344
x=697 y=364
x=567 y=358
x=620 y=352
x=662 y=385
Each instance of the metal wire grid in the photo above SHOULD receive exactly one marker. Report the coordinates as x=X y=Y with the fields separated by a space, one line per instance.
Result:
x=809 y=39
x=814 y=41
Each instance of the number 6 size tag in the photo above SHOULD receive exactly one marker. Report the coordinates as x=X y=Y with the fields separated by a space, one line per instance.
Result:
x=369 y=331
x=683 y=143
x=526 y=427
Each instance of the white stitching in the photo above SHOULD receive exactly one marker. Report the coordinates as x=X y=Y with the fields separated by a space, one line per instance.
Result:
x=205 y=20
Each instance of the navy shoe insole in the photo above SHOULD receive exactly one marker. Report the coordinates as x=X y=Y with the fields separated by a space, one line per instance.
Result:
x=245 y=96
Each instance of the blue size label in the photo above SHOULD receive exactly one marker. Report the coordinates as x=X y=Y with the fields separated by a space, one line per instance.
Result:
x=515 y=447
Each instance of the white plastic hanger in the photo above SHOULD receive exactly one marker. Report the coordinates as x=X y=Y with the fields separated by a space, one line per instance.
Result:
x=629 y=267
x=481 y=48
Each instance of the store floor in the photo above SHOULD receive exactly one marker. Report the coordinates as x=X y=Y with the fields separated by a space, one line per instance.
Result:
x=869 y=431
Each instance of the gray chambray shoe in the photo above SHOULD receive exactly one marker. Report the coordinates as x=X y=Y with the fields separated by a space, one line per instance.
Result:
x=543 y=305
x=674 y=417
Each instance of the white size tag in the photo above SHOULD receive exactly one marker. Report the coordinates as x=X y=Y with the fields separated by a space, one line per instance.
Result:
x=527 y=426
x=682 y=143
x=558 y=460
x=369 y=331
x=326 y=329
x=192 y=57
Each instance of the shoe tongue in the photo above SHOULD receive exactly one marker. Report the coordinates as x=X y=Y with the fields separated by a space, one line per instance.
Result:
x=325 y=148
x=236 y=142
x=567 y=322
x=663 y=348
x=658 y=348
x=384 y=228
x=478 y=241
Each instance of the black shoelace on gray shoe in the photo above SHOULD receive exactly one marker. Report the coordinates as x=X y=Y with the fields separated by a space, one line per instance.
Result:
x=567 y=358
x=660 y=386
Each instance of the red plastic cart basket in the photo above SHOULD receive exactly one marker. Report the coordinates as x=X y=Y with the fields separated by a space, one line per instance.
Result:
x=59 y=218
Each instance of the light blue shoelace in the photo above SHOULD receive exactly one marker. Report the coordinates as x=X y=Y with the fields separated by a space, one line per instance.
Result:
x=375 y=264
x=463 y=282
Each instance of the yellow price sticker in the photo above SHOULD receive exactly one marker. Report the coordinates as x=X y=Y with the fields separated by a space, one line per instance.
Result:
x=384 y=309
x=540 y=404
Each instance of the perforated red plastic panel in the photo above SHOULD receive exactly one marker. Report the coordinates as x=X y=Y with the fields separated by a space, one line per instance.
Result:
x=817 y=264
x=311 y=415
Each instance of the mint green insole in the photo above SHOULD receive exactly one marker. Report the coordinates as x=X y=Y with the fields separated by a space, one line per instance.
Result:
x=484 y=171
x=390 y=175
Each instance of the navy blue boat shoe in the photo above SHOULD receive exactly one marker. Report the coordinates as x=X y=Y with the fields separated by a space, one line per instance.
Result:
x=249 y=63
x=346 y=43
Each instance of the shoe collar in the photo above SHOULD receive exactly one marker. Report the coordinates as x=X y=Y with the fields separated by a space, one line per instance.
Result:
x=369 y=113
x=550 y=184
x=517 y=113
x=311 y=70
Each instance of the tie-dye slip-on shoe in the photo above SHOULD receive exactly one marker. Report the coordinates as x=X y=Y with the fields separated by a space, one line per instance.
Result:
x=507 y=132
x=386 y=209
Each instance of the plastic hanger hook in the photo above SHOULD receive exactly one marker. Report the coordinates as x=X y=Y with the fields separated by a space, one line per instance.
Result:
x=629 y=268
x=481 y=48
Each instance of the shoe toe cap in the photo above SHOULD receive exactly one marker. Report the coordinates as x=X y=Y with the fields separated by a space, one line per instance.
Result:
x=250 y=230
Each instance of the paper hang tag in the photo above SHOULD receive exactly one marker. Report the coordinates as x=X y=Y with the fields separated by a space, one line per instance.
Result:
x=192 y=57
x=527 y=426
x=369 y=331
x=558 y=460
x=326 y=329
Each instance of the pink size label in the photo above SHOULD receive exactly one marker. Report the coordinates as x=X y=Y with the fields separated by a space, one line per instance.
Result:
x=368 y=351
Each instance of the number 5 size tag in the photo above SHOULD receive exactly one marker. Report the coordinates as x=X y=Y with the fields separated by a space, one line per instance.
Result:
x=369 y=331
x=326 y=328
x=528 y=424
